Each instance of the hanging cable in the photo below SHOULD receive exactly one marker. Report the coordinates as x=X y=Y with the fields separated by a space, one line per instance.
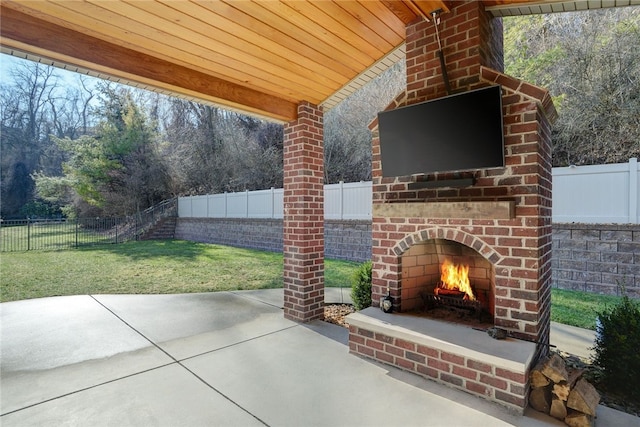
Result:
x=436 y=21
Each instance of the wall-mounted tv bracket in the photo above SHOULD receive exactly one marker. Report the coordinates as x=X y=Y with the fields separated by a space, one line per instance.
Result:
x=451 y=183
x=435 y=15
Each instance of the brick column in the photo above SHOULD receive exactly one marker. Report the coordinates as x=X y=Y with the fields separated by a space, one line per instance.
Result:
x=303 y=236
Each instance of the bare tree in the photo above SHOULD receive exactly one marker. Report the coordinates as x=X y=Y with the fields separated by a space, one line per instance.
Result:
x=590 y=62
x=347 y=140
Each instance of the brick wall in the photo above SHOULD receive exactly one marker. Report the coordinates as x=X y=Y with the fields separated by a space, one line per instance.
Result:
x=475 y=376
x=303 y=224
x=520 y=248
x=348 y=240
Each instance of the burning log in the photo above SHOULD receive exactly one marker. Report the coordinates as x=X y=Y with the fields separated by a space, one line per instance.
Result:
x=563 y=393
x=453 y=293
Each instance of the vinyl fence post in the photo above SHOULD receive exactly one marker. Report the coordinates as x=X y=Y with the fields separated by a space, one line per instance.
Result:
x=273 y=203
x=633 y=190
x=341 y=200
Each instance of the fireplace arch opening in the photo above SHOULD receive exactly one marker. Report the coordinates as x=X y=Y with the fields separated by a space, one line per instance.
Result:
x=433 y=280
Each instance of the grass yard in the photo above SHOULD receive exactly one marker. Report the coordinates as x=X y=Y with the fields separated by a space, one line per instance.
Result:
x=579 y=308
x=177 y=266
x=148 y=267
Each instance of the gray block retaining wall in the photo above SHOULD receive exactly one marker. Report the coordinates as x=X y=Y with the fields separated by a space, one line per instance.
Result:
x=596 y=258
x=586 y=257
x=347 y=240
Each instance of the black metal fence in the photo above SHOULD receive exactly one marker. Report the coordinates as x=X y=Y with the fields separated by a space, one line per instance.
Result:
x=56 y=234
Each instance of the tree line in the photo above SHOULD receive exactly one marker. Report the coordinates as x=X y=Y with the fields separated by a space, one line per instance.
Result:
x=97 y=148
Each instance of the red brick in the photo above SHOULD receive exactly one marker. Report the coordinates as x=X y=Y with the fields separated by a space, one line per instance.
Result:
x=384 y=357
x=478 y=388
x=384 y=338
x=510 y=398
x=510 y=375
x=451 y=379
x=493 y=381
x=425 y=370
x=438 y=364
x=375 y=344
x=394 y=350
x=365 y=350
x=415 y=357
x=464 y=372
x=405 y=364
x=454 y=358
x=428 y=351
x=407 y=345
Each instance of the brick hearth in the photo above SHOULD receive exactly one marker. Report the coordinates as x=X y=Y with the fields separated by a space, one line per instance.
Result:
x=452 y=354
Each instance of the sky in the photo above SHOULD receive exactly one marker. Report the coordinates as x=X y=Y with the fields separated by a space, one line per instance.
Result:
x=8 y=62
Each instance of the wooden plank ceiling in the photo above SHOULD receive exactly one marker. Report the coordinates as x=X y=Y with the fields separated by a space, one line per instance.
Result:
x=259 y=57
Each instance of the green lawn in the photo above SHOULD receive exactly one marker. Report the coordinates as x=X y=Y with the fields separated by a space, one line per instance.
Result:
x=579 y=308
x=177 y=266
x=149 y=267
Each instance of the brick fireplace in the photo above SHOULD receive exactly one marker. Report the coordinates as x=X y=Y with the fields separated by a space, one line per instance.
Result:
x=500 y=225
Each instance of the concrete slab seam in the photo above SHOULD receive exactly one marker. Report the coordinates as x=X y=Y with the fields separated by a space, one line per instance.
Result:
x=237 y=343
x=90 y=387
x=255 y=299
x=178 y=362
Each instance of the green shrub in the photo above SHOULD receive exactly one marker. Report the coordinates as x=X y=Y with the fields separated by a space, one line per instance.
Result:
x=617 y=348
x=361 y=286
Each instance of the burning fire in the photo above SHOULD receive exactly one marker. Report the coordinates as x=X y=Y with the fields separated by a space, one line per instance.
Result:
x=456 y=277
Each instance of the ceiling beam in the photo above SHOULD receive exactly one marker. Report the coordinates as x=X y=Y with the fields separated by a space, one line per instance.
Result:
x=409 y=10
x=25 y=32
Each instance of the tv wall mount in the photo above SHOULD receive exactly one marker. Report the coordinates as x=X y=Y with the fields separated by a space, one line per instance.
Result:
x=435 y=18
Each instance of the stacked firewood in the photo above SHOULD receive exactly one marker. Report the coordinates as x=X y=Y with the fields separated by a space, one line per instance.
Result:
x=563 y=393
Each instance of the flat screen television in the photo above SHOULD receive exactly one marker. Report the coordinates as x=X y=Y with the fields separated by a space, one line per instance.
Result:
x=456 y=133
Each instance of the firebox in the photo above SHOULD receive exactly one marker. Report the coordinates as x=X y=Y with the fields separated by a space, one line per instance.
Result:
x=446 y=279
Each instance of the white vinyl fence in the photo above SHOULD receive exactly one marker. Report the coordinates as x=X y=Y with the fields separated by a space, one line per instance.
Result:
x=598 y=194
x=342 y=201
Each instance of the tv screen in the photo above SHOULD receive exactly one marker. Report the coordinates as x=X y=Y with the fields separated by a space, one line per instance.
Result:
x=456 y=133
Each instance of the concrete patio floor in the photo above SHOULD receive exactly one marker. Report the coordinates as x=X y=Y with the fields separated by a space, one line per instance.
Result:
x=227 y=358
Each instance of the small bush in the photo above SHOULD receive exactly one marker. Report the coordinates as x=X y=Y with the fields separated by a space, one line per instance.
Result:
x=617 y=348
x=361 y=286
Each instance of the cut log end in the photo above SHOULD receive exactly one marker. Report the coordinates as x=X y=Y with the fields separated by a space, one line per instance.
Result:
x=584 y=398
x=578 y=419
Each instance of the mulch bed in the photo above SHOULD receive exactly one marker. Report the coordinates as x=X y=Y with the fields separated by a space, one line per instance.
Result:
x=335 y=313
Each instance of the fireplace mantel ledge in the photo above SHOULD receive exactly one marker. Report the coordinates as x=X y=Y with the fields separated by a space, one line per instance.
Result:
x=511 y=354
x=458 y=210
